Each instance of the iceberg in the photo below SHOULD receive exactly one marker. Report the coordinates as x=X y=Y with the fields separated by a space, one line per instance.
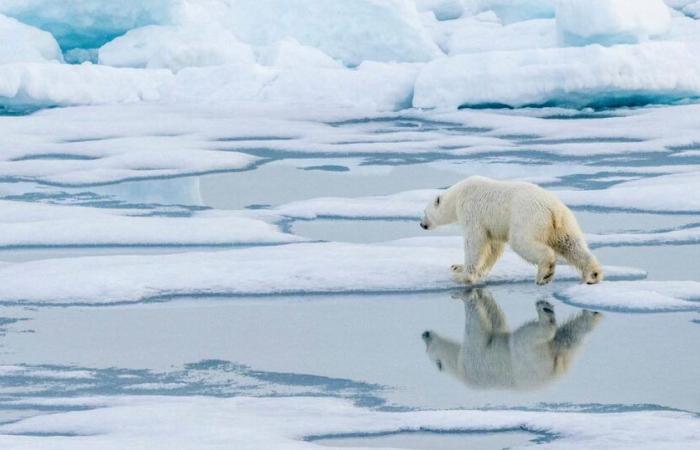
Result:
x=608 y=22
x=577 y=77
x=23 y=43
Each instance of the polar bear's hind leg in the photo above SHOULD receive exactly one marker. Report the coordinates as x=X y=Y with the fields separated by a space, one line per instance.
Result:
x=536 y=253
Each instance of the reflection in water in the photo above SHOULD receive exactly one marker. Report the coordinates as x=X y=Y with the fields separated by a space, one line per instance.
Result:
x=490 y=356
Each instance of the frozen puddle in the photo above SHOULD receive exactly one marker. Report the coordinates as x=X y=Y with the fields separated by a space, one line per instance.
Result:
x=431 y=441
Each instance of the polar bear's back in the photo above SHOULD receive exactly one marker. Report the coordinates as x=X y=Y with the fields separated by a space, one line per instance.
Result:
x=500 y=205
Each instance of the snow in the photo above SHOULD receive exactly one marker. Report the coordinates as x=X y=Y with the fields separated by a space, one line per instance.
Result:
x=575 y=77
x=306 y=268
x=286 y=423
x=22 y=43
x=636 y=296
x=608 y=22
x=161 y=46
x=38 y=225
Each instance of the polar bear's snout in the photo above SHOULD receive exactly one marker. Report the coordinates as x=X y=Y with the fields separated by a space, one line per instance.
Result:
x=424 y=224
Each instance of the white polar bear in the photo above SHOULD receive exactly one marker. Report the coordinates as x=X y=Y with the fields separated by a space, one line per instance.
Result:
x=490 y=357
x=536 y=224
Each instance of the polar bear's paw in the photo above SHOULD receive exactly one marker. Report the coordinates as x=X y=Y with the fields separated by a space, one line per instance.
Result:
x=545 y=274
x=545 y=311
x=460 y=275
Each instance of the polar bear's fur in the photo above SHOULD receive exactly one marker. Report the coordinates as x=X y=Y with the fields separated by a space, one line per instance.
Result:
x=491 y=357
x=536 y=224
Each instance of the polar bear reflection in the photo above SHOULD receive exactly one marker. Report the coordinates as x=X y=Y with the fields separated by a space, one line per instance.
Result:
x=490 y=356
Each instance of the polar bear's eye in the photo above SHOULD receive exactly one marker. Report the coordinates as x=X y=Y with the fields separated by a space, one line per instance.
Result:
x=437 y=201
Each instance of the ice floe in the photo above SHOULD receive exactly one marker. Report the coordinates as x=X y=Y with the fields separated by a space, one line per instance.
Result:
x=288 y=269
x=637 y=296
x=42 y=225
x=206 y=423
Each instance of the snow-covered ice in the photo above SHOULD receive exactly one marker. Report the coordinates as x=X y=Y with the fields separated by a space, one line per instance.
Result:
x=43 y=225
x=277 y=423
x=638 y=296
x=316 y=268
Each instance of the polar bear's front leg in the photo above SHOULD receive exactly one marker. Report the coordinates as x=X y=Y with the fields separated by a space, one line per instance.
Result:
x=475 y=248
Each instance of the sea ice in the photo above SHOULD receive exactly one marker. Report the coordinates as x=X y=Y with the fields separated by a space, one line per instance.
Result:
x=638 y=296
x=665 y=193
x=574 y=76
x=211 y=423
x=609 y=22
x=306 y=268
x=24 y=224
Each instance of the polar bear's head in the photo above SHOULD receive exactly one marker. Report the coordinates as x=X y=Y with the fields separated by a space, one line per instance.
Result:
x=440 y=211
x=444 y=353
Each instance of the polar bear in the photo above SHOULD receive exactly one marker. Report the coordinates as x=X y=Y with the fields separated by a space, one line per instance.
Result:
x=536 y=224
x=490 y=357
